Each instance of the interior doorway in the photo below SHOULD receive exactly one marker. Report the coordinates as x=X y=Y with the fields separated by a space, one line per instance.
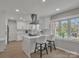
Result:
x=12 y=30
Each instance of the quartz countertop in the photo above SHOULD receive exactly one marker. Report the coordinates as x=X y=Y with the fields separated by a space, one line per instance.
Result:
x=35 y=36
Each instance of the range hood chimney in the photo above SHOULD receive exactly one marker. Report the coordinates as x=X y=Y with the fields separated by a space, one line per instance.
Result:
x=34 y=19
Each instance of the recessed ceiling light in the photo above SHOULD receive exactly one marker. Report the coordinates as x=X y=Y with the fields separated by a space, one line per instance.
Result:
x=57 y=9
x=44 y=0
x=17 y=10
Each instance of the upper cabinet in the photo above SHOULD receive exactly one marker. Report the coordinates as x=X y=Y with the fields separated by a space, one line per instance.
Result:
x=21 y=25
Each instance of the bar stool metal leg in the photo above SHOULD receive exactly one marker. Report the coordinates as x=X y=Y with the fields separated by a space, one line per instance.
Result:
x=35 y=48
x=50 y=47
x=54 y=45
x=40 y=50
x=46 y=48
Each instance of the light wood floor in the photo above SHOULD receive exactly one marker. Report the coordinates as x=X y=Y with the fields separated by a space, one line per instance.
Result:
x=14 y=50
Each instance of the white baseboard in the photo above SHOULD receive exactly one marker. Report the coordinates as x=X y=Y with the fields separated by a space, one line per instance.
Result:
x=68 y=51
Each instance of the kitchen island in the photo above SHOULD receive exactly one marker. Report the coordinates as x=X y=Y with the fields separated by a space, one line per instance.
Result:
x=29 y=42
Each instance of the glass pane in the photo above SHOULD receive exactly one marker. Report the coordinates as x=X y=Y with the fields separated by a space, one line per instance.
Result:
x=75 y=27
x=64 y=29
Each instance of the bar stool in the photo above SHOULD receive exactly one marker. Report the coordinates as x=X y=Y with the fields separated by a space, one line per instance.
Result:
x=51 y=42
x=41 y=45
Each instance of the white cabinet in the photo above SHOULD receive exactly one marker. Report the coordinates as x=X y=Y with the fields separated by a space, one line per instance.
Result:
x=22 y=25
x=2 y=44
x=20 y=34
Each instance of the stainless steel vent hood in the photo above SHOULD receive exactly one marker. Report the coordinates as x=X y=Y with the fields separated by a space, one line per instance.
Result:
x=34 y=19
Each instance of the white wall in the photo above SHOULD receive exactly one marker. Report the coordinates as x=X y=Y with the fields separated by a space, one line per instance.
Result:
x=72 y=46
x=2 y=24
x=3 y=31
x=44 y=23
x=68 y=45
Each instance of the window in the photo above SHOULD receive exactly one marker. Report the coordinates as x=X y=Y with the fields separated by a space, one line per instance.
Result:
x=67 y=28
x=74 y=27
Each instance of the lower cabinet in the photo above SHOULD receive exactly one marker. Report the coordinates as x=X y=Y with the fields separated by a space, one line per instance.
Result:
x=2 y=44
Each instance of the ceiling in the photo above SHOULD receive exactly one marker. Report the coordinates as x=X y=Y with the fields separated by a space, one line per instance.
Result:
x=27 y=7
